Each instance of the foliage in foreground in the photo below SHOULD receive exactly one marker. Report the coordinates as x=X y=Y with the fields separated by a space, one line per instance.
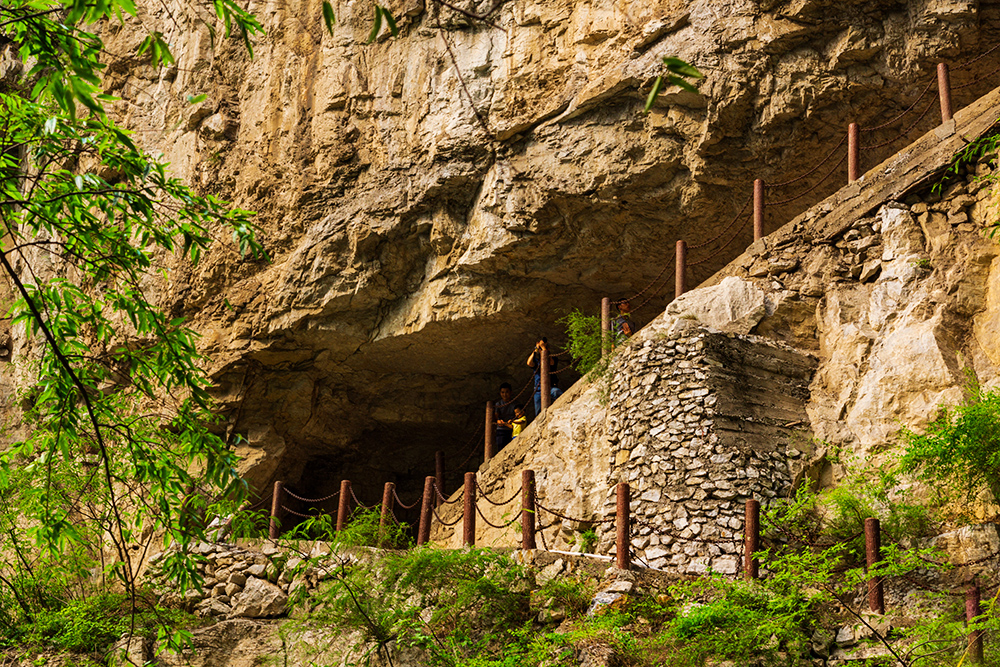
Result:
x=122 y=444
x=478 y=608
x=92 y=625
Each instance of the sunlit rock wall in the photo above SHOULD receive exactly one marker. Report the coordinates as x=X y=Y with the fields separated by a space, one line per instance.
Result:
x=433 y=202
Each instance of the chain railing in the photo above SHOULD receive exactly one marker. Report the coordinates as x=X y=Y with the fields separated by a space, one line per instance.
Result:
x=627 y=528
x=682 y=262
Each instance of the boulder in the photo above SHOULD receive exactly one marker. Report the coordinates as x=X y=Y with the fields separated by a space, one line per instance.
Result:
x=970 y=544
x=260 y=599
x=732 y=306
x=130 y=650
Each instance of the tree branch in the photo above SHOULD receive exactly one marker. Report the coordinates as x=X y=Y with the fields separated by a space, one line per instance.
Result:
x=118 y=541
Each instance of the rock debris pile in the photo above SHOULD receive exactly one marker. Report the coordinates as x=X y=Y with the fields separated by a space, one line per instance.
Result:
x=252 y=582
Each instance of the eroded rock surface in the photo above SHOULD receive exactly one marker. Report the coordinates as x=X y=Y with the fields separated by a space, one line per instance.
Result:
x=427 y=218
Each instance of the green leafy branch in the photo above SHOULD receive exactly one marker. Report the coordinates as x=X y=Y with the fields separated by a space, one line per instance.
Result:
x=382 y=13
x=678 y=71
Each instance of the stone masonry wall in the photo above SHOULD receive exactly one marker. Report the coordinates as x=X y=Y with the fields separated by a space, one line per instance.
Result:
x=698 y=422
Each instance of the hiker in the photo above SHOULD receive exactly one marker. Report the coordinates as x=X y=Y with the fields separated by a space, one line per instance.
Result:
x=623 y=326
x=535 y=361
x=503 y=412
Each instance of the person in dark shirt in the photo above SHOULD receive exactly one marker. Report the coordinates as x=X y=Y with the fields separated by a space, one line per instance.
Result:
x=535 y=361
x=503 y=413
x=623 y=326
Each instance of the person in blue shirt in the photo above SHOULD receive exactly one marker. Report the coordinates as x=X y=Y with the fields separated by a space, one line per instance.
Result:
x=535 y=361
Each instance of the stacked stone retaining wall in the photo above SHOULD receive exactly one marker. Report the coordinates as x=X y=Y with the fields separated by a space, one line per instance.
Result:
x=698 y=422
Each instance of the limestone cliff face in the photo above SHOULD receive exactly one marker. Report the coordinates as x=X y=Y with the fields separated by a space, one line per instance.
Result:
x=886 y=293
x=432 y=202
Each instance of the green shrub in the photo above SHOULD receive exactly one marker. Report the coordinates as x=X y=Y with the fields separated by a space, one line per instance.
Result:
x=732 y=620
x=455 y=604
x=84 y=626
x=837 y=515
x=588 y=540
x=869 y=490
x=361 y=530
x=585 y=341
x=251 y=524
x=93 y=624
x=571 y=593
x=960 y=450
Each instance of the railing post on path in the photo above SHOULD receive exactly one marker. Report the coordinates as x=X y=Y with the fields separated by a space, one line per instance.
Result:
x=469 y=510
x=680 y=269
x=853 y=153
x=622 y=546
x=491 y=432
x=275 y=527
x=944 y=91
x=605 y=327
x=972 y=610
x=387 y=504
x=527 y=509
x=439 y=475
x=424 y=530
x=751 y=540
x=758 y=209
x=873 y=554
x=342 y=507
x=546 y=380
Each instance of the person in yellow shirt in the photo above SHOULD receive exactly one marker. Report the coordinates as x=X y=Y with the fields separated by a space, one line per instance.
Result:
x=518 y=423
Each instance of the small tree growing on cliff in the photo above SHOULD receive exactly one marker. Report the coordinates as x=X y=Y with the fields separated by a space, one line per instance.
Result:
x=960 y=449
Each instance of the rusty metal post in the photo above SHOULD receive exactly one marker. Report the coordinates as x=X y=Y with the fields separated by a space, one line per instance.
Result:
x=605 y=326
x=387 y=504
x=424 y=531
x=751 y=540
x=944 y=91
x=469 y=510
x=275 y=528
x=546 y=380
x=527 y=509
x=439 y=476
x=873 y=554
x=342 y=507
x=758 y=209
x=680 y=269
x=853 y=153
x=972 y=610
x=491 y=432
x=622 y=546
